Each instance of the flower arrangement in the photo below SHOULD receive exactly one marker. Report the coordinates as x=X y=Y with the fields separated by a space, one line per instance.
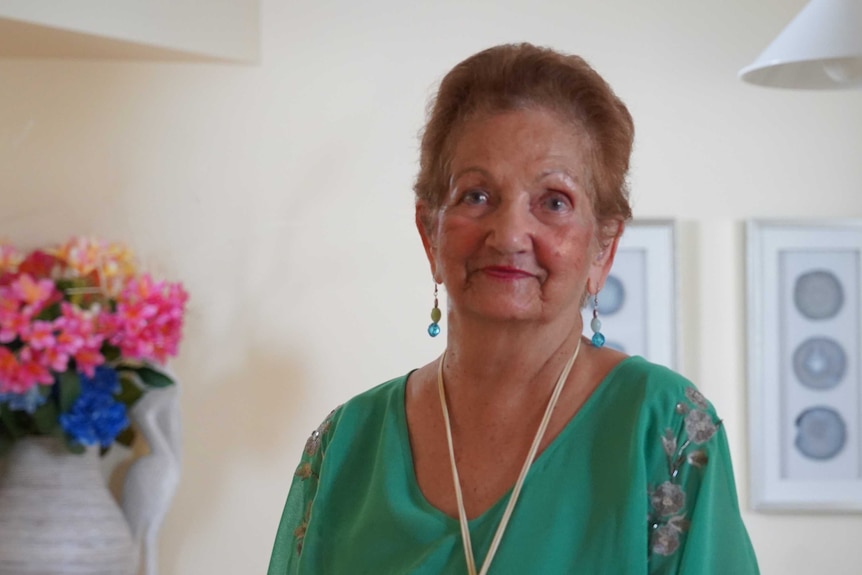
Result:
x=83 y=336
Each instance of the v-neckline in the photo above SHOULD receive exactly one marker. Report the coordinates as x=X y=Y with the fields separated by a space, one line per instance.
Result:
x=409 y=462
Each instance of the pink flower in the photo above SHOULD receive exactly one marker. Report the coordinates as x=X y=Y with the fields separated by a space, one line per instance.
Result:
x=13 y=320
x=69 y=342
x=88 y=358
x=40 y=335
x=12 y=326
x=135 y=315
x=21 y=375
x=78 y=337
x=32 y=373
x=149 y=319
x=54 y=359
x=8 y=371
x=34 y=294
x=75 y=325
x=8 y=302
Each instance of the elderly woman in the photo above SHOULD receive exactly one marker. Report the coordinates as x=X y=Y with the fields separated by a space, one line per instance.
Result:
x=524 y=448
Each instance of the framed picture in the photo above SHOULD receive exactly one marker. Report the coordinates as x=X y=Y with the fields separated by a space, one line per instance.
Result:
x=804 y=320
x=637 y=303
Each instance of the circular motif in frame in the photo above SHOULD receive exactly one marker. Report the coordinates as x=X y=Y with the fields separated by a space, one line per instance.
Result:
x=818 y=294
x=820 y=433
x=819 y=363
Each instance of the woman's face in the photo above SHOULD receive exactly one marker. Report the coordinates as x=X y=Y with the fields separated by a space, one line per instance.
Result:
x=516 y=238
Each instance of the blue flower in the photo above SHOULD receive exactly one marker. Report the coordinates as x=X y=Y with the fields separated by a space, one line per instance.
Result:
x=106 y=380
x=28 y=401
x=96 y=417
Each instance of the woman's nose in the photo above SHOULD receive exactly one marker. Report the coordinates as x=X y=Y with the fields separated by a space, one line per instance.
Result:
x=510 y=227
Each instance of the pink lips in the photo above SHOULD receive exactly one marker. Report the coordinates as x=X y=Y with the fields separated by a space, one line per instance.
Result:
x=506 y=273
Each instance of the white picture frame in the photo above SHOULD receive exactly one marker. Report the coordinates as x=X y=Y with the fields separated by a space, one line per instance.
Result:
x=637 y=305
x=804 y=310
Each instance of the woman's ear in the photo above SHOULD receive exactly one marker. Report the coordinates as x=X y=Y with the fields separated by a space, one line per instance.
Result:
x=426 y=224
x=608 y=239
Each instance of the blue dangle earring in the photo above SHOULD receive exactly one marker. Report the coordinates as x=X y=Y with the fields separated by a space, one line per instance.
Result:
x=596 y=324
x=434 y=328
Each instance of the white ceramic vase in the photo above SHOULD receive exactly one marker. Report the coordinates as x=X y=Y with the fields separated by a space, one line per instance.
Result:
x=57 y=516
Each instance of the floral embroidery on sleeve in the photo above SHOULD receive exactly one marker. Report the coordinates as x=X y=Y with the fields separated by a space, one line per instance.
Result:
x=667 y=518
x=299 y=532
x=309 y=468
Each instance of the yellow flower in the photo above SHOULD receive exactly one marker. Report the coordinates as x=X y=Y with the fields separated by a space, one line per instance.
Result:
x=118 y=264
x=81 y=255
x=10 y=258
x=113 y=262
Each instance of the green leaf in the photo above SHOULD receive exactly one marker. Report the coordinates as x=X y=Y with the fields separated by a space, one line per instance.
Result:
x=14 y=345
x=50 y=313
x=130 y=390
x=64 y=284
x=12 y=422
x=45 y=418
x=110 y=352
x=126 y=437
x=69 y=389
x=153 y=377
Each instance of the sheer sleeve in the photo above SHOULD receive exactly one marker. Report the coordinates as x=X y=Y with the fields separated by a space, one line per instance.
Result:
x=298 y=509
x=694 y=521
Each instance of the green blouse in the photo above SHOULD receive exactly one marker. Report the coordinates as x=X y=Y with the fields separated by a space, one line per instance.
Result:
x=638 y=482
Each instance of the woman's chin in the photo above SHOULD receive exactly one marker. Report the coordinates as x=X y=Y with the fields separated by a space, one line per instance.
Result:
x=514 y=312
x=503 y=313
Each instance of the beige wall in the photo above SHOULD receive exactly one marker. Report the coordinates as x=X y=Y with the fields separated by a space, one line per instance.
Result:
x=280 y=195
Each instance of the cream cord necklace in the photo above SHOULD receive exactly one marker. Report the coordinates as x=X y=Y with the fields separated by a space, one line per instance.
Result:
x=516 y=490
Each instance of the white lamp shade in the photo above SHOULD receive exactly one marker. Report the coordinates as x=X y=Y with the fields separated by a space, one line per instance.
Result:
x=820 y=49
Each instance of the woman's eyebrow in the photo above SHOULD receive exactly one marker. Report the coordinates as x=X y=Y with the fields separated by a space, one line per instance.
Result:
x=571 y=179
x=468 y=170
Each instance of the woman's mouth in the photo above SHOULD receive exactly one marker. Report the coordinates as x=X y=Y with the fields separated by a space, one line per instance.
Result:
x=506 y=272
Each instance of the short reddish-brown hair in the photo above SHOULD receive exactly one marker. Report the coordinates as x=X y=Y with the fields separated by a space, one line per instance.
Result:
x=518 y=76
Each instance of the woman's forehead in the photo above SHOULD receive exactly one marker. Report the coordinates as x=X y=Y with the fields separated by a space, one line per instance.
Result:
x=539 y=139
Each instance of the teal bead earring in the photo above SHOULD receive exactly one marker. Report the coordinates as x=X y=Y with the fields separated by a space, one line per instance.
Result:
x=434 y=328
x=596 y=324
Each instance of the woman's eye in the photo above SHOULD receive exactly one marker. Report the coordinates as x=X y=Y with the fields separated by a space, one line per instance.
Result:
x=557 y=202
x=474 y=197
